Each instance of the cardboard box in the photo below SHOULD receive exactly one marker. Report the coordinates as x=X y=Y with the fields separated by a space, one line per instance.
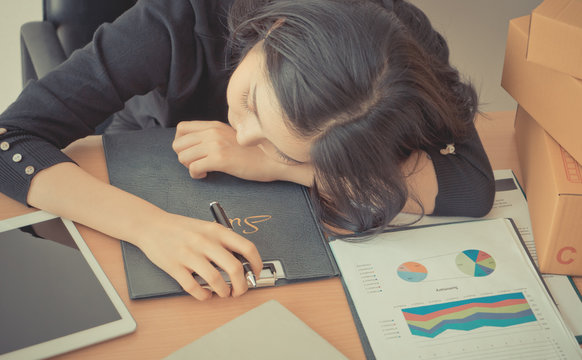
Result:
x=552 y=181
x=555 y=38
x=553 y=98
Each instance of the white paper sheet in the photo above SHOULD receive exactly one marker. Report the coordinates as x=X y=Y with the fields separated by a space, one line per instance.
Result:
x=452 y=292
x=511 y=203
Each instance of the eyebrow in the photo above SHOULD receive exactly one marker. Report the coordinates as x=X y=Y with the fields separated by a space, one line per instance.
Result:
x=255 y=110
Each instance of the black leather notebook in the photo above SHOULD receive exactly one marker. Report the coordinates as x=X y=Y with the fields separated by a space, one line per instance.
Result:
x=277 y=216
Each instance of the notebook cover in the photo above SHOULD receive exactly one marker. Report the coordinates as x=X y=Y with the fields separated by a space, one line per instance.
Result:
x=276 y=216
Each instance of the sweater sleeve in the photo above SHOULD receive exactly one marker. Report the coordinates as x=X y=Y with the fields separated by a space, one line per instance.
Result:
x=466 y=186
x=146 y=48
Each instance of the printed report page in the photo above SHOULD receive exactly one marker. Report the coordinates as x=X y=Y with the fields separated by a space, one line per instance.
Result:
x=510 y=203
x=466 y=290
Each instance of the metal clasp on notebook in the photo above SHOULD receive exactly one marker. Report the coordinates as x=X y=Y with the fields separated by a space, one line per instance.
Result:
x=268 y=276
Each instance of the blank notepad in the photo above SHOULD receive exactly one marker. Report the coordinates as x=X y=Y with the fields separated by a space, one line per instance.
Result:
x=269 y=331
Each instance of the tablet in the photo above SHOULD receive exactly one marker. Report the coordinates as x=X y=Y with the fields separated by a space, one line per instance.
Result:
x=54 y=295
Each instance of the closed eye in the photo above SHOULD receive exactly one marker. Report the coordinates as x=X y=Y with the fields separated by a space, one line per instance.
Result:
x=286 y=158
x=245 y=102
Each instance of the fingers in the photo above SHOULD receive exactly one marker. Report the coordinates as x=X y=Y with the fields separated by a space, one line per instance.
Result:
x=198 y=141
x=191 y=155
x=199 y=169
x=191 y=286
x=226 y=261
x=191 y=133
x=199 y=162
x=182 y=245
x=220 y=245
x=196 y=262
x=213 y=278
x=246 y=248
x=205 y=146
x=186 y=141
x=233 y=242
x=186 y=127
x=211 y=275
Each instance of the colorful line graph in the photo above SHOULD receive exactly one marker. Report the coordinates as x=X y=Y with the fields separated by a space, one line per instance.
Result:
x=498 y=310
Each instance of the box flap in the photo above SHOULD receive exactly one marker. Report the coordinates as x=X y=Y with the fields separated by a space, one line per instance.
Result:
x=552 y=98
x=564 y=11
x=521 y=25
x=555 y=38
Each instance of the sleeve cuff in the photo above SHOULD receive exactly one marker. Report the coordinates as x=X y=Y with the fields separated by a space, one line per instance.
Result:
x=21 y=158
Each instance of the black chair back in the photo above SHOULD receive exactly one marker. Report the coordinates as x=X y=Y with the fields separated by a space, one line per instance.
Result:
x=75 y=21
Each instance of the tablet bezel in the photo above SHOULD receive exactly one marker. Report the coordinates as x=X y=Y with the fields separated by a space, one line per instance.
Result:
x=125 y=325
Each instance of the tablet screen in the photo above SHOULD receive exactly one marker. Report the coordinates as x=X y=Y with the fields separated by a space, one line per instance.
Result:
x=49 y=290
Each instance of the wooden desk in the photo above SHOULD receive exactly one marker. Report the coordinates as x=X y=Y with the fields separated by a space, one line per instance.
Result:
x=166 y=324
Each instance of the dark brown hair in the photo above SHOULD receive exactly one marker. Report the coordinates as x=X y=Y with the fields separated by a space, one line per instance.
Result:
x=371 y=83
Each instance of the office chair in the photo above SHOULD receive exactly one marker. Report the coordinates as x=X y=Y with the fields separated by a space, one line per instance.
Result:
x=67 y=25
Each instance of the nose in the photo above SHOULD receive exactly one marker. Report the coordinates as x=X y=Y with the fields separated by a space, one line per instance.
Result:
x=249 y=132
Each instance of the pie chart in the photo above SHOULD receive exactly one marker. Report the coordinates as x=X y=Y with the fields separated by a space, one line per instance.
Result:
x=412 y=271
x=475 y=263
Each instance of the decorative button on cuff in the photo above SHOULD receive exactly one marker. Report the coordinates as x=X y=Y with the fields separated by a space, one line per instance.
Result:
x=4 y=145
x=3 y=131
x=16 y=157
x=29 y=170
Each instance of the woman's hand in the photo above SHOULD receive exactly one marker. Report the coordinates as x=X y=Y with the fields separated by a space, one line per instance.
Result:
x=181 y=246
x=206 y=146
x=178 y=245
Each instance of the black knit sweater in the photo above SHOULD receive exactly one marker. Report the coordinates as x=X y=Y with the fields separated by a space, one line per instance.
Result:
x=160 y=63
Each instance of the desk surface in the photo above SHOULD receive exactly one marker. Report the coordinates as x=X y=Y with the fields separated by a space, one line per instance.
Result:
x=166 y=324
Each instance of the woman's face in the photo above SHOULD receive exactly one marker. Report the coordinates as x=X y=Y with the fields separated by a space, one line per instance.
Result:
x=254 y=112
